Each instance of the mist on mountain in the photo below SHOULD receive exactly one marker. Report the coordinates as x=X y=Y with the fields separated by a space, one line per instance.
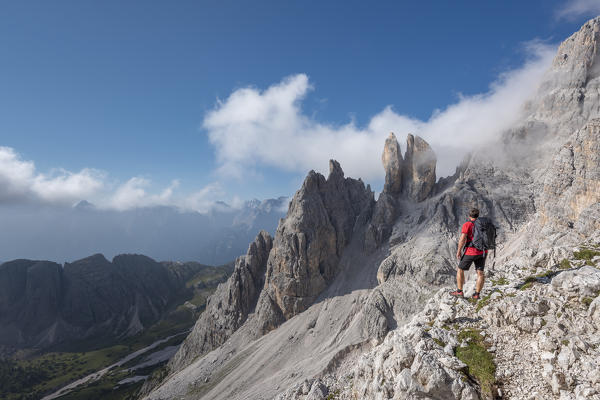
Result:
x=62 y=234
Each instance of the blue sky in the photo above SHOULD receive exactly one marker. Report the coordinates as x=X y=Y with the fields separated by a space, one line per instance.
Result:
x=109 y=94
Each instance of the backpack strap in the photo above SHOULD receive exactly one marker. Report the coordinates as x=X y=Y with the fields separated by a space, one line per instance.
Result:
x=470 y=242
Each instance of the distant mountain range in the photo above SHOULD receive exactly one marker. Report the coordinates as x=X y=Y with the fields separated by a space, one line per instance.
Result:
x=163 y=233
x=43 y=303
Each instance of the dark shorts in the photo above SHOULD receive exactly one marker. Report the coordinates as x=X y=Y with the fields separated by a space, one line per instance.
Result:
x=466 y=261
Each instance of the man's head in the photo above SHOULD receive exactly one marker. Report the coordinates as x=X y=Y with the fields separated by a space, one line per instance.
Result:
x=474 y=213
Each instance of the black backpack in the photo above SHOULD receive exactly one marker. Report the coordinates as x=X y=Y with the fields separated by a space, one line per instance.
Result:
x=484 y=235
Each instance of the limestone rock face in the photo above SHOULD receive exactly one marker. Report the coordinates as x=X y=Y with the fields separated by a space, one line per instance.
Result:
x=570 y=93
x=228 y=308
x=412 y=177
x=572 y=184
x=418 y=174
x=392 y=164
x=543 y=339
x=321 y=220
x=385 y=214
x=409 y=179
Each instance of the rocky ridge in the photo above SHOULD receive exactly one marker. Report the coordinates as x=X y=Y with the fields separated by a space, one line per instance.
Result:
x=540 y=328
x=400 y=253
x=281 y=277
x=323 y=216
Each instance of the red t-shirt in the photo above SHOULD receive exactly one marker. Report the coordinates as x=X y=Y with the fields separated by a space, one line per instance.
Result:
x=468 y=229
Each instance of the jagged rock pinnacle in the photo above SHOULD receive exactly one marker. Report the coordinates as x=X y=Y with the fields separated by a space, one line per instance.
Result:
x=308 y=243
x=392 y=163
x=419 y=168
x=413 y=176
x=335 y=169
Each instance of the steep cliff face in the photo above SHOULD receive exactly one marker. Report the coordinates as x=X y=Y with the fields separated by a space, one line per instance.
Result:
x=323 y=216
x=409 y=179
x=570 y=94
x=30 y=298
x=228 y=308
x=392 y=164
x=572 y=184
x=419 y=169
x=413 y=176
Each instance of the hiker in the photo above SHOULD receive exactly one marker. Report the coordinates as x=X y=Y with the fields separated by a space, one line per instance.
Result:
x=471 y=255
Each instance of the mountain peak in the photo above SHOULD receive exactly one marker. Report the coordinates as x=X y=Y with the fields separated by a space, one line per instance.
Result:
x=335 y=169
x=412 y=176
x=84 y=205
x=392 y=163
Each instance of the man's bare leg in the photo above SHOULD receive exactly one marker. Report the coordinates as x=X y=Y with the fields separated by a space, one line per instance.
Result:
x=460 y=278
x=480 y=281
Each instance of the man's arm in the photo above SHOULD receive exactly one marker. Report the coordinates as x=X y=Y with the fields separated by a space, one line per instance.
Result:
x=461 y=244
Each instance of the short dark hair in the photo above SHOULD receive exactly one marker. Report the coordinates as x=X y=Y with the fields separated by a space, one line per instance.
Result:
x=474 y=213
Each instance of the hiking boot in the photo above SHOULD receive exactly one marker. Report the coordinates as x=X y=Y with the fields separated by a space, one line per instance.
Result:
x=457 y=293
x=475 y=296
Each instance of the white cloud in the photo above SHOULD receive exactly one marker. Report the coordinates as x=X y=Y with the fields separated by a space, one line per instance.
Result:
x=19 y=181
x=578 y=8
x=204 y=199
x=134 y=194
x=65 y=185
x=254 y=128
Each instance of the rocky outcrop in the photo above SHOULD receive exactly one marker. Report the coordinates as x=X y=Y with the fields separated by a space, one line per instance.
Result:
x=410 y=179
x=413 y=176
x=43 y=303
x=228 y=308
x=569 y=96
x=571 y=191
x=418 y=174
x=323 y=216
x=392 y=164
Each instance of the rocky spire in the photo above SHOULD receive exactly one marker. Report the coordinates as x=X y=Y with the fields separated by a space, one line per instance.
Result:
x=411 y=178
x=392 y=163
x=309 y=242
x=414 y=176
x=418 y=173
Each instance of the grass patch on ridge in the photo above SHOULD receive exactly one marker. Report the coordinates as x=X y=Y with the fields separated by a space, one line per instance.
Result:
x=586 y=254
x=483 y=302
x=480 y=362
x=501 y=281
x=565 y=264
